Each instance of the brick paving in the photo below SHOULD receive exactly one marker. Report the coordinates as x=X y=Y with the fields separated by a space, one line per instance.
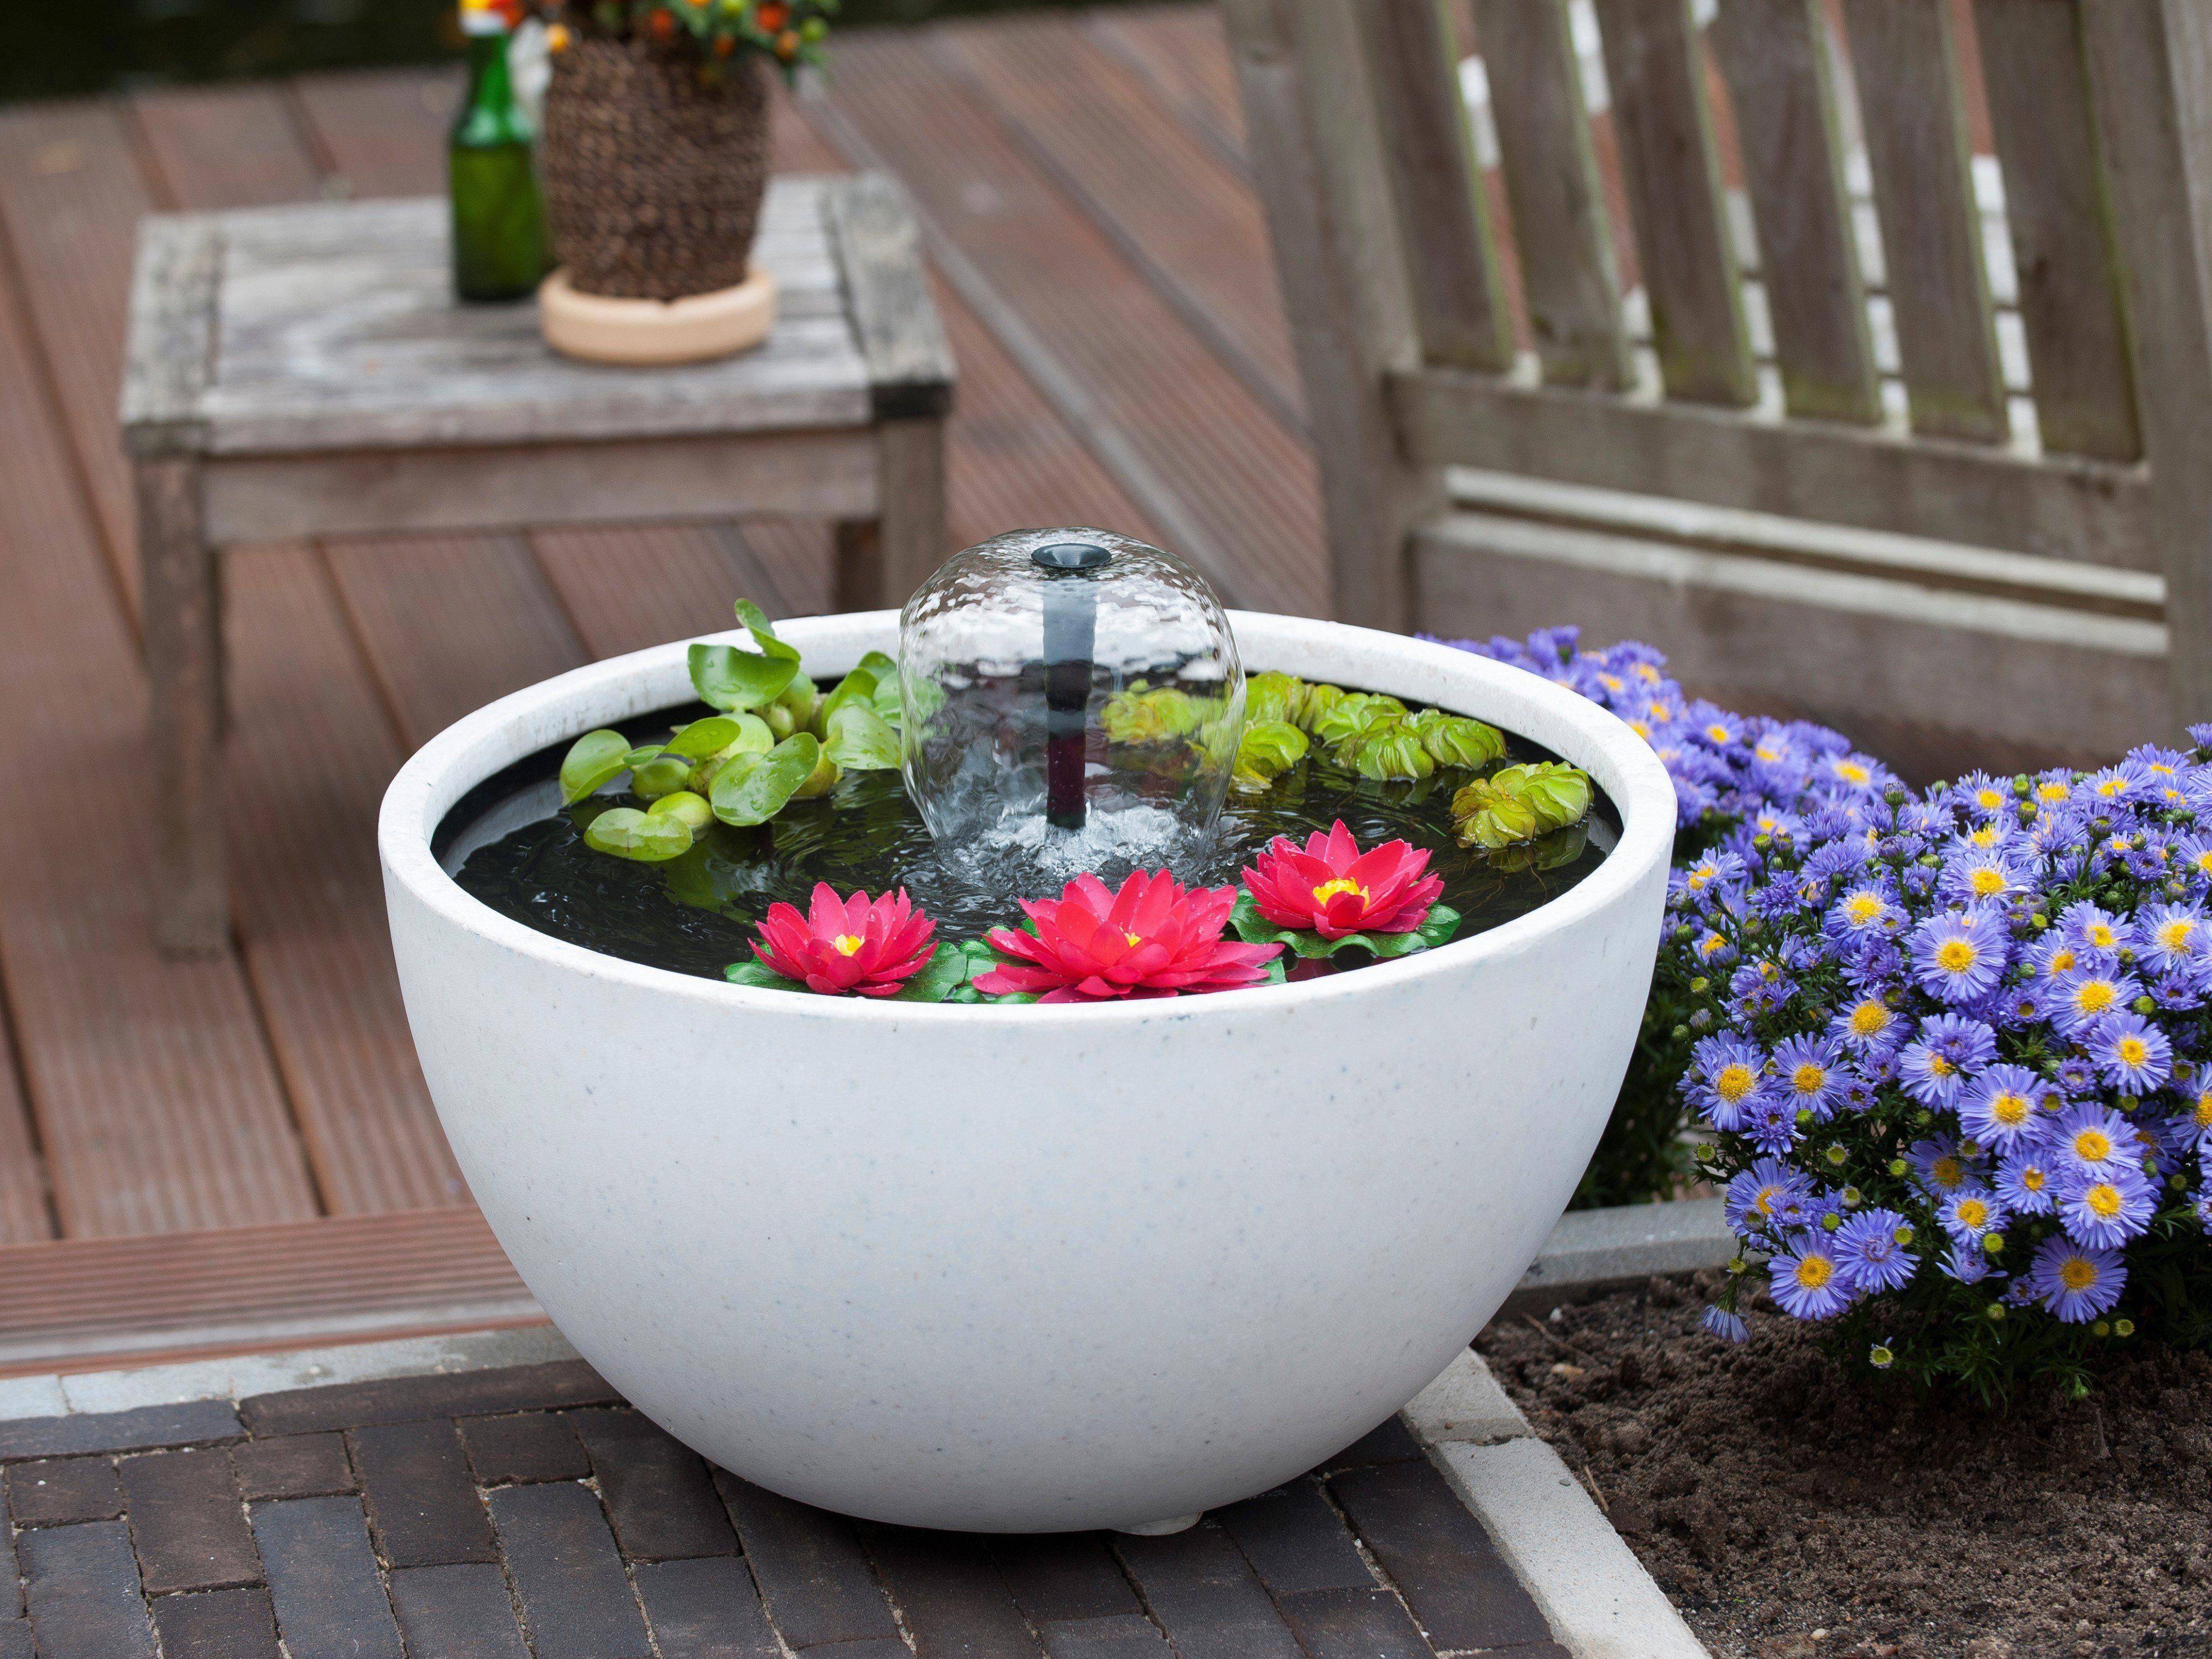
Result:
x=527 y=1513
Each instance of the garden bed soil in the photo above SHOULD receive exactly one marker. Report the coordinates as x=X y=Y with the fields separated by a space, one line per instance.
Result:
x=1792 y=1513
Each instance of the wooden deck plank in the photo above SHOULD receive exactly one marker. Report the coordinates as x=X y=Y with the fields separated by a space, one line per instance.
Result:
x=83 y=1304
x=311 y=750
x=1177 y=210
x=24 y=1214
x=70 y=196
x=157 y=1103
x=1238 y=488
x=1181 y=50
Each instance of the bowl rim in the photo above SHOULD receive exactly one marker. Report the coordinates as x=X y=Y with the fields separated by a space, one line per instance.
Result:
x=424 y=789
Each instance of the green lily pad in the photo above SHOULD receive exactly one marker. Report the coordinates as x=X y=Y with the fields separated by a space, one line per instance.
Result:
x=752 y=788
x=1439 y=924
x=630 y=834
x=861 y=741
x=946 y=972
x=858 y=686
x=763 y=632
x=703 y=737
x=594 y=761
x=757 y=972
x=729 y=679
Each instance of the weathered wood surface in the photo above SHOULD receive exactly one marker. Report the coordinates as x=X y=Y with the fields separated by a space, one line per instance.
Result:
x=170 y=355
x=2150 y=69
x=1319 y=167
x=878 y=251
x=337 y=330
x=1774 y=53
x=1830 y=472
x=1443 y=217
x=1561 y=238
x=2037 y=86
x=1657 y=78
x=1935 y=680
x=1907 y=69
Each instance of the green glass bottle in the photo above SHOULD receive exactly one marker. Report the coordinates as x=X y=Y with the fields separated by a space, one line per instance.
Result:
x=499 y=223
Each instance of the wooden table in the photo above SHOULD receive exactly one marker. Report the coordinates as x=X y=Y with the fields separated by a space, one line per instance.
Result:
x=304 y=371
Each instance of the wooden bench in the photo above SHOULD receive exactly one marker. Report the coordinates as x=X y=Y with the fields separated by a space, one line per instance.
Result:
x=1973 y=514
x=304 y=371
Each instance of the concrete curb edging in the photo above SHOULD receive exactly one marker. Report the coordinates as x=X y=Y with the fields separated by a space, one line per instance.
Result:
x=1625 y=1244
x=1602 y=1603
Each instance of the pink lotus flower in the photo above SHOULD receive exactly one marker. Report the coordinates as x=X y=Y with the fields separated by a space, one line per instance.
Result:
x=1150 y=940
x=1334 y=889
x=867 y=947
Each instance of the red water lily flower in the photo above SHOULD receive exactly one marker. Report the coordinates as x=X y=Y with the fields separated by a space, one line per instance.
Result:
x=870 y=947
x=1153 y=938
x=1334 y=889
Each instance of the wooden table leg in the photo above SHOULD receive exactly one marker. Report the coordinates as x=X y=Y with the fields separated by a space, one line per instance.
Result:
x=881 y=564
x=183 y=598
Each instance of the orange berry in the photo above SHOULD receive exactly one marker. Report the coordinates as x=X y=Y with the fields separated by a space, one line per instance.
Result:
x=787 y=44
x=773 y=16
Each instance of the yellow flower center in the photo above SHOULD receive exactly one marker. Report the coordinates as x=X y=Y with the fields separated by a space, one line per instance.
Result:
x=1853 y=772
x=1765 y=1202
x=1971 y=1212
x=1733 y=1083
x=1946 y=1172
x=2204 y=1110
x=2104 y=1198
x=1956 y=955
x=1808 y=1078
x=2009 y=1108
x=1699 y=878
x=1329 y=890
x=2076 y=1273
x=847 y=943
x=2175 y=935
x=1987 y=882
x=1939 y=1066
x=1871 y=1018
x=2133 y=1051
x=2204 y=861
x=1711 y=944
x=1134 y=940
x=1814 y=1271
x=2053 y=790
x=2093 y=1145
x=1719 y=733
x=2099 y=935
x=1863 y=907
x=2061 y=960
x=2032 y=1178
x=2095 y=996
x=1988 y=798
x=1985 y=836
x=2109 y=787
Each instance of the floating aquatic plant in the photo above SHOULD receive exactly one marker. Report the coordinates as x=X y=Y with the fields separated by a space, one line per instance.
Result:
x=1329 y=896
x=853 y=946
x=1151 y=938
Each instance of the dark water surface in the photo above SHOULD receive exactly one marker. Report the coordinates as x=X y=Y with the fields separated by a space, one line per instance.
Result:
x=511 y=844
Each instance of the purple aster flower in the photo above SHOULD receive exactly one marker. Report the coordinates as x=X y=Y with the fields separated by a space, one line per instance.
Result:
x=1960 y=956
x=2132 y=1054
x=1771 y=1124
x=1729 y=1327
x=1970 y=1213
x=1807 y=1071
x=2093 y=1137
x=1806 y=1282
x=2173 y=935
x=2107 y=1207
x=1950 y=1049
x=1967 y=1263
x=1726 y=1076
x=1870 y=1249
x=2024 y=1182
x=2000 y=1107
x=2077 y=1284
x=2081 y=997
x=2076 y=1076
x=1750 y=1201
x=2096 y=933
x=1866 y=908
x=1867 y=1024
x=2194 y=854
x=1974 y=874
x=1940 y=1166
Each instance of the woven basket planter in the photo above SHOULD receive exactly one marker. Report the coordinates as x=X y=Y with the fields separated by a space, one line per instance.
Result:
x=652 y=175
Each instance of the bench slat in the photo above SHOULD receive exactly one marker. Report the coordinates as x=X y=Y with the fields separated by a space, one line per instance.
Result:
x=1559 y=230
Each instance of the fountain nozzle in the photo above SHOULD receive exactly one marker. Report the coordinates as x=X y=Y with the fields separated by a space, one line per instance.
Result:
x=1071 y=632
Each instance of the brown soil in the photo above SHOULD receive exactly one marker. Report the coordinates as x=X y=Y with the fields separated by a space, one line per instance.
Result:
x=1794 y=1513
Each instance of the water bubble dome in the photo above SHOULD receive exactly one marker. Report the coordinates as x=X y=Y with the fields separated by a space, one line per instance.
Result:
x=1072 y=702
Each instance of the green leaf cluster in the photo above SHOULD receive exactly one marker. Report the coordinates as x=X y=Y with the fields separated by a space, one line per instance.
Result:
x=1520 y=803
x=946 y=972
x=1268 y=749
x=1439 y=924
x=1145 y=714
x=776 y=739
x=1367 y=732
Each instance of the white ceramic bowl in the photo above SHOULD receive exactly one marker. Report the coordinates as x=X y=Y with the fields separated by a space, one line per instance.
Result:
x=1027 y=1269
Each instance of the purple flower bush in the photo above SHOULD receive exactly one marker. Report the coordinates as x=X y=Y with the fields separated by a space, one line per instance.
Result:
x=1735 y=777
x=1956 y=1055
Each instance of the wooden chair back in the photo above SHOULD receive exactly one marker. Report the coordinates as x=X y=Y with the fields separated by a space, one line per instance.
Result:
x=1799 y=368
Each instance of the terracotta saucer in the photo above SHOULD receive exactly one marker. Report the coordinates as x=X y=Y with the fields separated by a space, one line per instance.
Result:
x=687 y=330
